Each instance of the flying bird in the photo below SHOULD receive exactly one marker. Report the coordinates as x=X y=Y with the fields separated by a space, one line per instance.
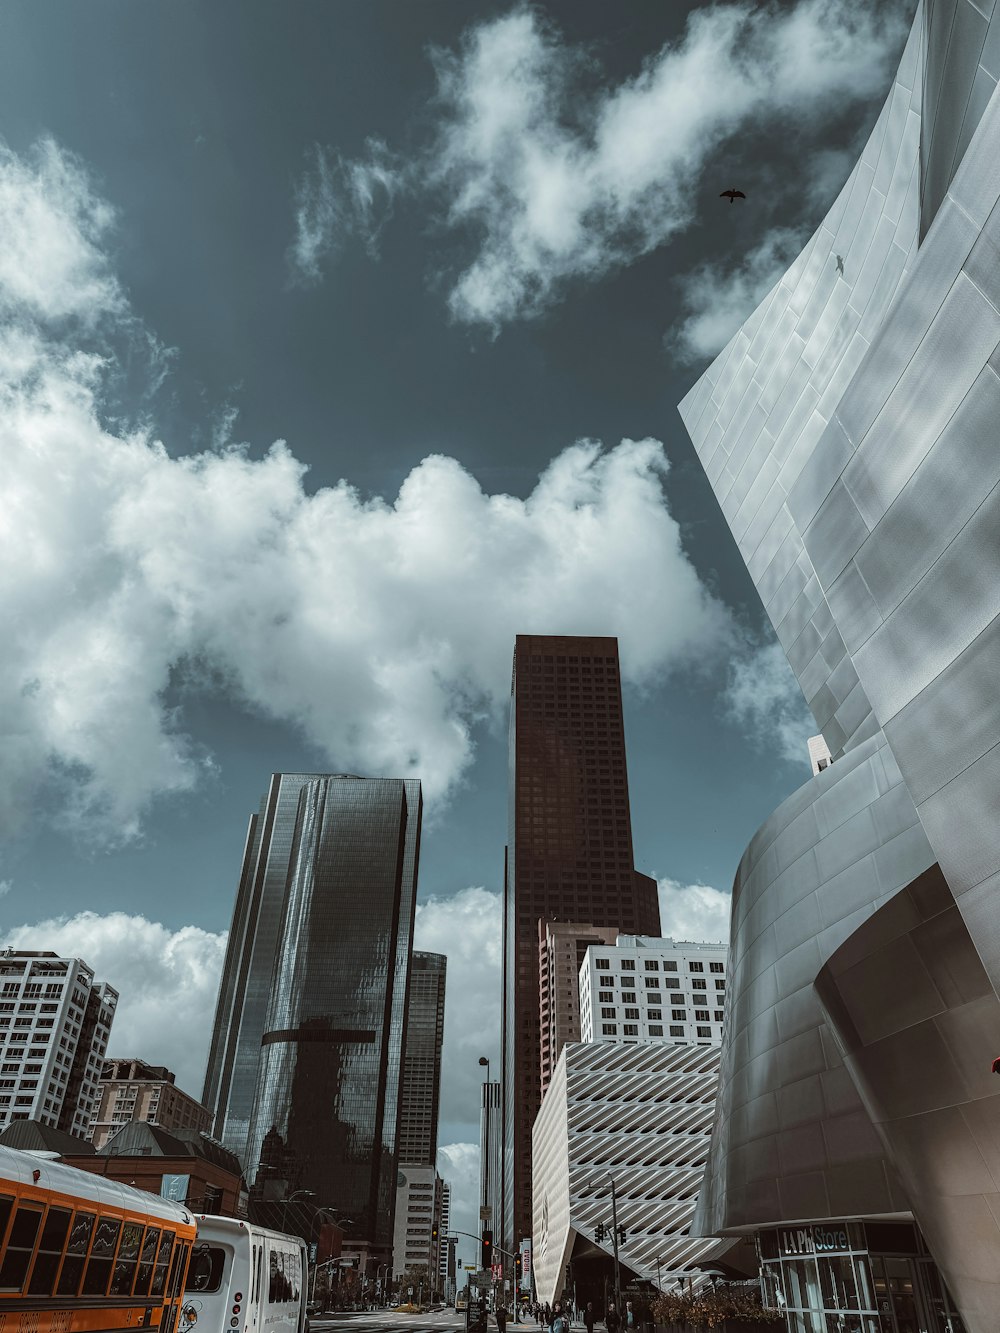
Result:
x=732 y=195
x=840 y=265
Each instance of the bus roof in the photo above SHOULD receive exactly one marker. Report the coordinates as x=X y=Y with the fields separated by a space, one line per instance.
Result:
x=211 y=1225
x=19 y=1168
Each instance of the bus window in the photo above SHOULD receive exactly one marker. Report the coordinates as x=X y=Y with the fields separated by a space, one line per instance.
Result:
x=128 y=1257
x=76 y=1253
x=6 y=1207
x=162 y=1259
x=207 y=1263
x=102 y=1255
x=260 y=1265
x=146 y=1260
x=50 y=1247
x=23 y=1231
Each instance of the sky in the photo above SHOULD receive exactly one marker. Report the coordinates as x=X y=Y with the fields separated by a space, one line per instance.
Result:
x=340 y=343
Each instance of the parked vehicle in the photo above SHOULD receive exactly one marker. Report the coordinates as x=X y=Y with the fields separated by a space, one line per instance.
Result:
x=245 y=1279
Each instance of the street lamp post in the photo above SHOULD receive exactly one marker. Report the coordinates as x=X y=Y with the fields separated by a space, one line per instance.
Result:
x=614 y=1223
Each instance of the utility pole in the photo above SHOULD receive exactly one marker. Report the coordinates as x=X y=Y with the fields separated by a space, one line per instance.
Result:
x=614 y=1224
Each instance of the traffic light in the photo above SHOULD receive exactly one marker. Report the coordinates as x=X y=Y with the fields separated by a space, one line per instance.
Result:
x=486 y=1256
x=517 y=1267
x=600 y=1231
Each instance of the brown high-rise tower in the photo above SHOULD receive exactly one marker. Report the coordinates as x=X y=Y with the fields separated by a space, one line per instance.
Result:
x=569 y=855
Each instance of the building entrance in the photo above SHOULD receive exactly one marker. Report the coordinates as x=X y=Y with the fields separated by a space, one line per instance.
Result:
x=853 y=1277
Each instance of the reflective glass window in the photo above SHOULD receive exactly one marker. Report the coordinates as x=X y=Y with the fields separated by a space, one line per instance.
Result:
x=43 y=1275
x=76 y=1253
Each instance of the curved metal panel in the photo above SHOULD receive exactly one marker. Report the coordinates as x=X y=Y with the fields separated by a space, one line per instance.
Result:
x=791 y=1139
x=916 y=1017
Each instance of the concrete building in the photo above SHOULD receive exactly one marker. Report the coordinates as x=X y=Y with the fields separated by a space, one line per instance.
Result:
x=819 y=754
x=446 y=1247
x=420 y=1085
x=569 y=857
x=418 y=1221
x=133 y=1090
x=55 y=1020
x=646 y=988
x=561 y=949
x=849 y=433
x=642 y=1116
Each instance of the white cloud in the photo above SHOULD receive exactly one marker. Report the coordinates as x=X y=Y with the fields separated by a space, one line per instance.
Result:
x=337 y=198
x=382 y=628
x=693 y=911
x=167 y=980
x=717 y=299
x=763 y=697
x=468 y=929
x=458 y=1163
x=558 y=176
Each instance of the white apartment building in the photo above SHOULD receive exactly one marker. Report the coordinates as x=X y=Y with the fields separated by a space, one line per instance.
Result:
x=55 y=1020
x=644 y=988
x=418 y=1218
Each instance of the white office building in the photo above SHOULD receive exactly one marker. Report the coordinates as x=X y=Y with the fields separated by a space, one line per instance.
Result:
x=55 y=1020
x=649 y=989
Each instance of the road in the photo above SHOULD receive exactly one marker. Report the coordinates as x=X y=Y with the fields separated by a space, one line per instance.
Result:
x=388 y=1321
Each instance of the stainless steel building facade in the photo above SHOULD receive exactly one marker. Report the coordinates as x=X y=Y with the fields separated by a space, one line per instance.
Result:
x=850 y=433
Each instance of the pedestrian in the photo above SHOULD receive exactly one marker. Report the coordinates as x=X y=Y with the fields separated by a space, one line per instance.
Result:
x=611 y=1320
x=560 y=1321
x=629 y=1315
x=588 y=1317
x=501 y=1316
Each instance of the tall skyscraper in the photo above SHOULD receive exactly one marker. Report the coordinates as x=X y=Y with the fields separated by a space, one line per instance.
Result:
x=491 y=1153
x=55 y=1020
x=420 y=1091
x=233 y=1057
x=562 y=947
x=569 y=855
x=325 y=1099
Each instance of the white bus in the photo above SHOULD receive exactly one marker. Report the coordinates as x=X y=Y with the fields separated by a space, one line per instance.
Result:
x=244 y=1279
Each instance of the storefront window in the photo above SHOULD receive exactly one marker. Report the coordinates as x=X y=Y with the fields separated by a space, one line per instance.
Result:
x=837 y=1280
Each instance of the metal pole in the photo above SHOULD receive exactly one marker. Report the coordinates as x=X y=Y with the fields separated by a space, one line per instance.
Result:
x=614 y=1223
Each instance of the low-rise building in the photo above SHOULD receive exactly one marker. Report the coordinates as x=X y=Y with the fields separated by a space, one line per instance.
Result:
x=131 y=1089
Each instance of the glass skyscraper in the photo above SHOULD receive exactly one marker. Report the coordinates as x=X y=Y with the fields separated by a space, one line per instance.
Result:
x=420 y=1097
x=323 y=1108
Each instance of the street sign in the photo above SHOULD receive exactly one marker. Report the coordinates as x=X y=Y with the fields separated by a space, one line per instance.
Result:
x=486 y=1213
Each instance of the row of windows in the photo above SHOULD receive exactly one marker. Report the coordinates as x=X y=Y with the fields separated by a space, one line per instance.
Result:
x=651 y=965
x=655 y=1030
x=81 y=1253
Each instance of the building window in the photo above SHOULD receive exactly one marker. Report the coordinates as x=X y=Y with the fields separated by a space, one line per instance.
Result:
x=656 y=1029
x=606 y=997
x=656 y=1014
x=699 y=983
x=631 y=1013
x=631 y=1029
x=669 y=967
x=696 y=967
x=702 y=1016
x=704 y=1032
x=672 y=983
x=676 y=1030
x=609 y=1013
x=652 y=983
x=719 y=1015
x=628 y=983
x=609 y=1030
x=651 y=965
x=628 y=964
x=603 y=964
x=679 y=1015
x=720 y=985
x=716 y=967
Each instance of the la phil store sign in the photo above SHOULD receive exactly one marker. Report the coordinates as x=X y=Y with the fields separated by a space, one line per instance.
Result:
x=794 y=1241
